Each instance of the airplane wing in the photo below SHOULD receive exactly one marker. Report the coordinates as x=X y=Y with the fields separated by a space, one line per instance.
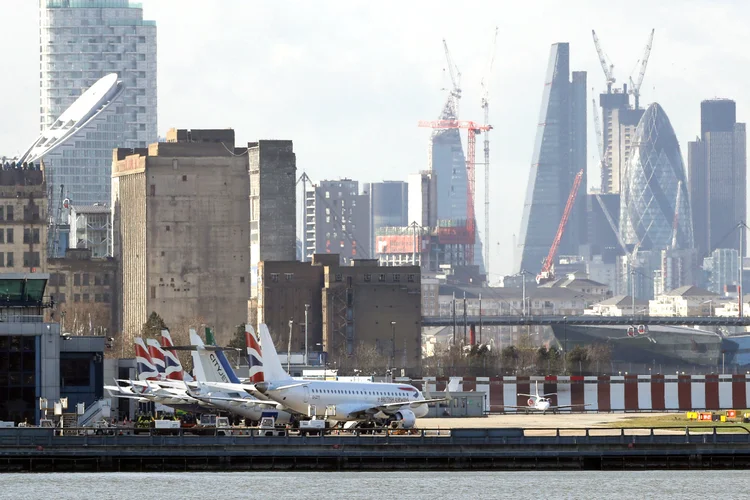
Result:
x=515 y=407
x=410 y=404
x=568 y=406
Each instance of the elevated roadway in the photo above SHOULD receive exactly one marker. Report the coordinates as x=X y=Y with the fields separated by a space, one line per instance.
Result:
x=531 y=320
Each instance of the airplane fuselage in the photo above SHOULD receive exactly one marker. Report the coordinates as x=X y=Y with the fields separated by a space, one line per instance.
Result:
x=351 y=400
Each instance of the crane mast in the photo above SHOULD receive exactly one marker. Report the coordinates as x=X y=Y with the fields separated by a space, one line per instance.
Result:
x=547 y=273
x=485 y=83
x=676 y=221
x=455 y=75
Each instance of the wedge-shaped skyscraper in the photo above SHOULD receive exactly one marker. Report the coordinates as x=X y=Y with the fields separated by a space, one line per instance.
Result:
x=655 y=192
x=559 y=153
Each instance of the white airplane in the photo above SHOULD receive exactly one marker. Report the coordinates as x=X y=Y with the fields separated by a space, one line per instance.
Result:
x=399 y=404
x=541 y=402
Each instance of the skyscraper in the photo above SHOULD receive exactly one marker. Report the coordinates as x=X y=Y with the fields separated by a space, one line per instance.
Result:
x=388 y=205
x=80 y=42
x=559 y=153
x=717 y=163
x=655 y=188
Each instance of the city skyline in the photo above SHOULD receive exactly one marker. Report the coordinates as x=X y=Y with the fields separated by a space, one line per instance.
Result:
x=360 y=85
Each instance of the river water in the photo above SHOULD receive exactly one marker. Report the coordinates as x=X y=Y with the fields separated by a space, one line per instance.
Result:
x=367 y=485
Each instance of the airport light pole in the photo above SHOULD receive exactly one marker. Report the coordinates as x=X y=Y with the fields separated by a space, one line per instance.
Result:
x=393 y=346
x=289 y=346
x=307 y=308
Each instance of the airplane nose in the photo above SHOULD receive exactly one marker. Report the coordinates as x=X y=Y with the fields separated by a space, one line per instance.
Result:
x=261 y=387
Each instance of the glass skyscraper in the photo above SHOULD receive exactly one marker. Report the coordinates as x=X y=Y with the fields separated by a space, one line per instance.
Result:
x=80 y=42
x=559 y=153
x=649 y=197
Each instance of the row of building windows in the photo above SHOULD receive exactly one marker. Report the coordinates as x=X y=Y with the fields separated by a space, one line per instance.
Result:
x=395 y=277
x=30 y=259
x=82 y=297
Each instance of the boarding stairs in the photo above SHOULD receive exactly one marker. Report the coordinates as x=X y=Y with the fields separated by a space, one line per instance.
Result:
x=97 y=411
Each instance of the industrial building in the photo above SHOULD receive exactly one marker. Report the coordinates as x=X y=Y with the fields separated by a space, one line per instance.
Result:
x=717 y=165
x=559 y=155
x=362 y=304
x=80 y=42
x=91 y=228
x=182 y=224
x=84 y=291
x=339 y=221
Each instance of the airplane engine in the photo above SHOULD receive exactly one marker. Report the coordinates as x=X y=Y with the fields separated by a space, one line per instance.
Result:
x=405 y=418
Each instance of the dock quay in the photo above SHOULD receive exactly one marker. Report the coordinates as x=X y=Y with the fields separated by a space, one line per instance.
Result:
x=41 y=450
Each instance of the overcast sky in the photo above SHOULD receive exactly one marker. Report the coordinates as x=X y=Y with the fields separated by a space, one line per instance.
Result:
x=348 y=80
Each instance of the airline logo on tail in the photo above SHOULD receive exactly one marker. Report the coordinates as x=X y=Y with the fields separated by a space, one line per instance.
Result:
x=143 y=363
x=254 y=356
x=157 y=356
x=173 y=367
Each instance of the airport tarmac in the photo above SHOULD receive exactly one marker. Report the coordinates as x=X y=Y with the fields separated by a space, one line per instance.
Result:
x=533 y=420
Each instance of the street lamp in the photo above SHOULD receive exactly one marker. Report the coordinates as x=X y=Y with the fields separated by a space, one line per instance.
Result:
x=393 y=345
x=565 y=348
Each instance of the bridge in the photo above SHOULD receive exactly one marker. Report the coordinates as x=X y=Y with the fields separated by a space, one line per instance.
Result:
x=590 y=320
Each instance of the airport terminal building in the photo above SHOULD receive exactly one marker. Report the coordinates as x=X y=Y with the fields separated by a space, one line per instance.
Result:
x=36 y=361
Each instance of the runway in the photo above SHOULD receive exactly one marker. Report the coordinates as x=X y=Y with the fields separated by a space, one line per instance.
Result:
x=534 y=420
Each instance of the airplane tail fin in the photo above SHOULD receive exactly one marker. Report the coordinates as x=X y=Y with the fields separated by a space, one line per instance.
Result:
x=210 y=339
x=145 y=367
x=272 y=369
x=195 y=340
x=214 y=364
x=254 y=355
x=173 y=367
x=157 y=356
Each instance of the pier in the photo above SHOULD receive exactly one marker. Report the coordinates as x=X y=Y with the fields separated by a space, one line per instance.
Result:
x=40 y=450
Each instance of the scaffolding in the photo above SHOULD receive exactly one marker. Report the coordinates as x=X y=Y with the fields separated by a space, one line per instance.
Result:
x=91 y=228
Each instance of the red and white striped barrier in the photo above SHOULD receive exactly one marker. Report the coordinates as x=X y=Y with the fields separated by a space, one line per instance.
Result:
x=606 y=393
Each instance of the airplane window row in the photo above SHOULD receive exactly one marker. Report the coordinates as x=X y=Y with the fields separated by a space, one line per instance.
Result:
x=370 y=393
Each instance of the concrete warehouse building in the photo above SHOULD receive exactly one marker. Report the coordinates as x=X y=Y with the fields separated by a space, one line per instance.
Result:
x=181 y=225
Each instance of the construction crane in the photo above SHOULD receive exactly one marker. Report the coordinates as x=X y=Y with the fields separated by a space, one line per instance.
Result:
x=676 y=221
x=485 y=84
x=607 y=65
x=473 y=128
x=455 y=75
x=635 y=87
x=547 y=272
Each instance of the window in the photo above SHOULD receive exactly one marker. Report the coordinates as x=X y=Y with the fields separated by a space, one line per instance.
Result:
x=31 y=259
x=2 y=259
x=339 y=277
x=184 y=178
x=396 y=278
x=61 y=298
x=9 y=214
x=97 y=297
x=368 y=277
x=410 y=278
x=85 y=297
x=167 y=228
x=9 y=235
x=2 y=213
x=153 y=189
x=74 y=372
x=106 y=279
x=85 y=279
x=35 y=233
x=153 y=292
x=105 y=298
x=242 y=279
x=76 y=280
x=2 y=236
x=77 y=297
x=381 y=277
x=275 y=277
x=289 y=276
x=9 y=259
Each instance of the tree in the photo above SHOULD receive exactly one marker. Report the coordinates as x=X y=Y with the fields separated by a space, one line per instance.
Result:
x=238 y=340
x=153 y=326
x=577 y=358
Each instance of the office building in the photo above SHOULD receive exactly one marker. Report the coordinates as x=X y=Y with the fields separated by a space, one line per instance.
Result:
x=655 y=188
x=340 y=221
x=722 y=267
x=182 y=225
x=559 y=154
x=80 y=42
x=388 y=206
x=717 y=164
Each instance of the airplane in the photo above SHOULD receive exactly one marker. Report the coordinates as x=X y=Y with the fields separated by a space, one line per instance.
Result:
x=219 y=386
x=541 y=402
x=173 y=367
x=394 y=404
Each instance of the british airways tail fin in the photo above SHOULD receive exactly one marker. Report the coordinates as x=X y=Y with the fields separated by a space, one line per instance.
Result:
x=144 y=365
x=157 y=356
x=272 y=369
x=173 y=367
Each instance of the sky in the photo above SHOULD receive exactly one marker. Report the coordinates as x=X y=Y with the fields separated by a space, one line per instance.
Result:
x=348 y=80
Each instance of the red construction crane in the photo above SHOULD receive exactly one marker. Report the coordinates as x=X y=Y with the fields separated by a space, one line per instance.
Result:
x=473 y=128
x=547 y=273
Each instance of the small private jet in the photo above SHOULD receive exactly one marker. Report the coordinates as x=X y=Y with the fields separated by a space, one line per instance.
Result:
x=541 y=403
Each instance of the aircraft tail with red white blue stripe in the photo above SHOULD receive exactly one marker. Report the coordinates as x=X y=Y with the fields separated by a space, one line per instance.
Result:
x=144 y=365
x=173 y=367
x=254 y=355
